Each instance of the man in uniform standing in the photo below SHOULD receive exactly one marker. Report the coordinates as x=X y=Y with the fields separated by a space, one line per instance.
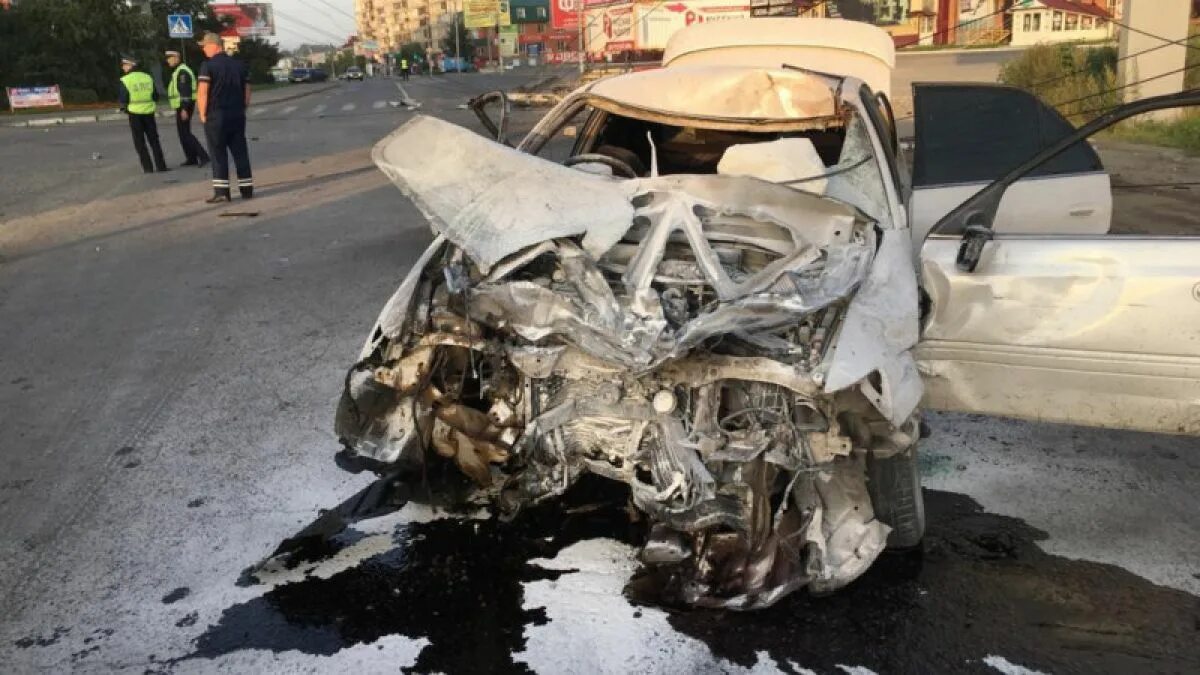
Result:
x=404 y=68
x=137 y=97
x=222 y=99
x=179 y=94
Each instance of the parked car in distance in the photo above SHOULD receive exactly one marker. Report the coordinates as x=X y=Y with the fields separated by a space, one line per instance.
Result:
x=451 y=64
x=354 y=73
x=308 y=75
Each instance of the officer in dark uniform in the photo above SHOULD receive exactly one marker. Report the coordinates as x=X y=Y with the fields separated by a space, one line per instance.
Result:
x=222 y=99
x=180 y=89
x=138 y=98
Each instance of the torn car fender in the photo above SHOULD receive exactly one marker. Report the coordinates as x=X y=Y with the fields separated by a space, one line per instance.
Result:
x=879 y=332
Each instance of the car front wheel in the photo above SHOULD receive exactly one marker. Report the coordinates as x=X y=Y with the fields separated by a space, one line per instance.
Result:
x=895 y=487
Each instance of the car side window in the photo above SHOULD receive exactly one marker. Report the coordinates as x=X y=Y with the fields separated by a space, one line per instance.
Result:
x=563 y=143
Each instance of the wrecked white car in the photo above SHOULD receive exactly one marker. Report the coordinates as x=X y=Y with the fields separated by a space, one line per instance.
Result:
x=711 y=298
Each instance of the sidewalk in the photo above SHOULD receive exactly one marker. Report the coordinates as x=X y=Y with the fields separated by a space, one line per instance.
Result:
x=270 y=96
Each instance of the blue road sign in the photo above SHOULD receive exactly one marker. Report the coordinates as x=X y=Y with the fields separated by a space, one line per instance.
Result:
x=179 y=25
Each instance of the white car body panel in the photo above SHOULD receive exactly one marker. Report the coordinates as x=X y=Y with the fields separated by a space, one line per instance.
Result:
x=1096 y=330
x=1073 y=204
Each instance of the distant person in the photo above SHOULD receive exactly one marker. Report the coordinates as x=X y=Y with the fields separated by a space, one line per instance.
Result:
x=222 y=99
x=138 y=99
x=404 y=68
x=180 y=94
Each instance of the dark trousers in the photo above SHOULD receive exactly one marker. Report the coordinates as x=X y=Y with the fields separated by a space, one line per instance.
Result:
x=226 y=136
x=193 y=152
x=145 y=129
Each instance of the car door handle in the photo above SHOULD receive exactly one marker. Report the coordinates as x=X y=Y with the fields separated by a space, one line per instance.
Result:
x=1082 y=212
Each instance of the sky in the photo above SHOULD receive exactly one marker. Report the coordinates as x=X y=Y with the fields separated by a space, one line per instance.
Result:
x=313 y=22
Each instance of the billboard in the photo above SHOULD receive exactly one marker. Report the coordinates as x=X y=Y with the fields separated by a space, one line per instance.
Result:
x=878 y=12
x=33 y=97
x=564 y=14
x=486 y=13
x=774 y=8
x=250 y=19
x=655 y=24
x=610 y=28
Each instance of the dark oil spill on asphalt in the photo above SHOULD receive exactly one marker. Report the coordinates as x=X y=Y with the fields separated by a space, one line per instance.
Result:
x=981 y=587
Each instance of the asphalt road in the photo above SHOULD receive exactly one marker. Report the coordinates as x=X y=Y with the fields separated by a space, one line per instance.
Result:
x=167 y=384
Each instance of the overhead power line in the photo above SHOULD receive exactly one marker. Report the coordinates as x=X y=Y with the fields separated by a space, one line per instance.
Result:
x=337 y=9
x=320 y=31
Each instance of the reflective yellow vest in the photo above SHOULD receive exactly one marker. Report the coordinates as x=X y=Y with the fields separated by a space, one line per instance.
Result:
x=141 y=93
x=173 y=88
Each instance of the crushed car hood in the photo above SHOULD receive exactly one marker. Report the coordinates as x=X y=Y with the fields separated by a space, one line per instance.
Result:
x=731 y=349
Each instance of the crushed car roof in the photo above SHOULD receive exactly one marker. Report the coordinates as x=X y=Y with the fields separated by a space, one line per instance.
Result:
x=721 y=93
x=836 y=46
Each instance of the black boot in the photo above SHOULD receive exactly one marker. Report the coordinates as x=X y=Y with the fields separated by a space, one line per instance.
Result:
x=218 y=197
x=247 y=192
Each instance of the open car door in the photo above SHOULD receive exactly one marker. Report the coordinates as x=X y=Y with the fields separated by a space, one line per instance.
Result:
x=1049 y=323
x=968 y=135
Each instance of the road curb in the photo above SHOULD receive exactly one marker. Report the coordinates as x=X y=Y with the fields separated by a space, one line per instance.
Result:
x=114 y=117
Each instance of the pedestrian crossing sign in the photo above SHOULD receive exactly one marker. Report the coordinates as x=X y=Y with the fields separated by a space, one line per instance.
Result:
x=179 y=25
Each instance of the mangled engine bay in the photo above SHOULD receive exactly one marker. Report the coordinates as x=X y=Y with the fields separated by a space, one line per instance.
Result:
x=720 y=344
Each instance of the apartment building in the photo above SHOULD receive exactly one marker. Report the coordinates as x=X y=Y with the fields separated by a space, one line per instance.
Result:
x=394 y=23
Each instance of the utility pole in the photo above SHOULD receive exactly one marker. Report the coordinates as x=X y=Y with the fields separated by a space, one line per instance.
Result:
x=499 y=47
x=579 y=20
x=457 y=53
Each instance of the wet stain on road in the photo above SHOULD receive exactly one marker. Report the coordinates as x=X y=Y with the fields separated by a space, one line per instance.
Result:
x=457 y=583
x=176 y=595
x=980 y=587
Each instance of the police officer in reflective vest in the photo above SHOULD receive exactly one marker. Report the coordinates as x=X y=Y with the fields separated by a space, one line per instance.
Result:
x=222 y=99
x=179 y=94
x=137 y=97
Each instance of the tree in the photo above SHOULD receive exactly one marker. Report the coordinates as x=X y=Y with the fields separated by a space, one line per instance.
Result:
x=73 y=43
x=466 y=41
x=78 y=44
x=260 y=58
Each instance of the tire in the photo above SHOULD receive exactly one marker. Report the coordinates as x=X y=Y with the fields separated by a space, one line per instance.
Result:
x=895 y=487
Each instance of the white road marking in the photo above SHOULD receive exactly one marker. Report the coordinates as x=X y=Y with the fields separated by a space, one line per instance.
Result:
x=258 y=111
x=317 y=110
x=348 y=107
x=378 y=104
x=289 y=110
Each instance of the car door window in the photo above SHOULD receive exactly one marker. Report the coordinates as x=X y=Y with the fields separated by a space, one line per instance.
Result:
x=968 y=135
x=977 y=133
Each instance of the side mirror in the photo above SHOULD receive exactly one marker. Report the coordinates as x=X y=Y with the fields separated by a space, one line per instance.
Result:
x=499 y=128
x=974 y=239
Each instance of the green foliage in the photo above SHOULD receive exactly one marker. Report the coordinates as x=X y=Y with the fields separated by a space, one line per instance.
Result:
x=72 y=43
x=75 y=96
x=260 y=57
x=414 y=51
x=466 y=42
x=346 y=58
x=78 y=44
x=1183 y=133
x=1078 y=82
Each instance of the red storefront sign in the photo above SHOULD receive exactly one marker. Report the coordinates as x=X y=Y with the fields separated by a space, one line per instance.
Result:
x=564 y=14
